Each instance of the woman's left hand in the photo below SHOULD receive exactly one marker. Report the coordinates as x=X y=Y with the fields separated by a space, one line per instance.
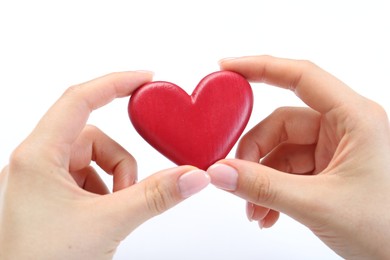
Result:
x=53 y=205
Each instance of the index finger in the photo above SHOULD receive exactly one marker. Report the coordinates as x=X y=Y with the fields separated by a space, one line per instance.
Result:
x=316 y=87
x=64 y=121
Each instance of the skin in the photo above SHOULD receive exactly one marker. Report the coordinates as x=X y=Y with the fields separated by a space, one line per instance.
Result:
x=53 y=205
x=326 y=165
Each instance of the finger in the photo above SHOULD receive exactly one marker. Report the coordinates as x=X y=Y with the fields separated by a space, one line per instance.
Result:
x=295 y=195
x=154 y=195
x=269 y=220
x=317 y=88
x=264 y=216
x=255 y=212
x=89 y=180
x=288 y=124
x=64 y=121
x=291 y=158
x=94 y=145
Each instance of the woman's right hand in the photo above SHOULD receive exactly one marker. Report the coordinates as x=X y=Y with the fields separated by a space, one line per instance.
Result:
x=327 y=166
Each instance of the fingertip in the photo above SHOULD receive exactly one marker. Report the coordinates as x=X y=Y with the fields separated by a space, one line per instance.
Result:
x=261 y=223
x=223 y=176
x=134 y=79
x=160 y=192
x=269 y=220
x=259 y=212
x=193 y=182
x=250 y=210
x=147 y=73
x=223 y=61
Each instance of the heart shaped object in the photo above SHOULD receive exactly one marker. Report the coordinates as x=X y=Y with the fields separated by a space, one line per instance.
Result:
x=193 y=130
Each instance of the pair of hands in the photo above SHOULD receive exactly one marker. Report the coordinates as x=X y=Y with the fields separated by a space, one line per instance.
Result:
x=326 y=166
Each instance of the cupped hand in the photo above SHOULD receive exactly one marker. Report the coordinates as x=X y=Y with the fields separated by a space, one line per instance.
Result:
x=53 y=204
x=325 y=165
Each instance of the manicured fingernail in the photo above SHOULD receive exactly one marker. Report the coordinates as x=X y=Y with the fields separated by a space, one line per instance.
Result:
x=223 y=176
x=192 y=182
x=250 y=210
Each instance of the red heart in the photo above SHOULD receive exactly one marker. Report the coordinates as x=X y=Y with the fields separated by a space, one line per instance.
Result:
x=193 y=130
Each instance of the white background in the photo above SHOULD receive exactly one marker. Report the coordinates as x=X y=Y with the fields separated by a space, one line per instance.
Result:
x=46 y=46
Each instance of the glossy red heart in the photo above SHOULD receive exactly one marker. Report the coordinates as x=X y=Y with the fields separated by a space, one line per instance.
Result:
x=193 y=130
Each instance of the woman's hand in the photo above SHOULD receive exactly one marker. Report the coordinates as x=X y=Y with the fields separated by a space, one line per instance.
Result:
x=327 y=166
x=53 y=205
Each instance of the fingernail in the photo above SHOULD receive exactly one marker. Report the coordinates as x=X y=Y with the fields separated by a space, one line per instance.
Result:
x=223 y=176
x=226 y=59
x=192 y=182
x=146 y=72
x=250 y=209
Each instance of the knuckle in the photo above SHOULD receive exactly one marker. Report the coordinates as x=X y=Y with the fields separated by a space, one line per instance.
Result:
x=74 y=92
x=307 y=64
x=261 y=187
x=368 y=114
x=287 y=112
x=246 y=140
x=22 y=159
x=72 y=89
x=157 y=197
x=248 y=147
x=91 y=130
x=279 y=115
x=377 y=111
x=33 y=157
x=281 y=110
x=131 y=160
x=19 y=157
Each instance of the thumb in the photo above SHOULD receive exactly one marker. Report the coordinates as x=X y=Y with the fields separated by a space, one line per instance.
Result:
x=132 y=206
x=295 y=195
